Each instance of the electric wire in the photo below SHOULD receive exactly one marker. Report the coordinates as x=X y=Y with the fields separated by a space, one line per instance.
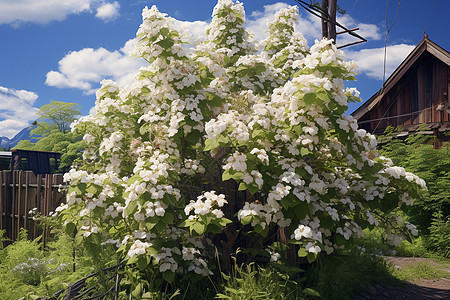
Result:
x=429 y=16
x=388 y=30
x=399 y=116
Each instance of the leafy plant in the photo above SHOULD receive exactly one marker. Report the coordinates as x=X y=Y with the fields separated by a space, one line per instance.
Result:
x=340 y=277
x=218 y=147
x=254 y=282
x=431 y=211
x=420 y=270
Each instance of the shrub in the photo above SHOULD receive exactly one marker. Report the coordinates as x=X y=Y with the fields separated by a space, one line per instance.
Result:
x=430 y=212
x=217 y=147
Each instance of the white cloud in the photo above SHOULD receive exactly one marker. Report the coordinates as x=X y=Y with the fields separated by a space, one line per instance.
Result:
x=15 y=12
x=368 y=31
x=108 y=11
x=84 y=69
x=309 y=25
x=370 y=61
x=194 y=31
x=16 y=110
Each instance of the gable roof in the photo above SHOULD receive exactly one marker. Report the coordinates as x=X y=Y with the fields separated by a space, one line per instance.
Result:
x=425 y=45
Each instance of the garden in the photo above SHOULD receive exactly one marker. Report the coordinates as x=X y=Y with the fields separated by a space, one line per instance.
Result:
x=229 y=170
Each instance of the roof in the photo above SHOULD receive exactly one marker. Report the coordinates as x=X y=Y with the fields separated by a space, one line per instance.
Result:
x=5 y=154
x=425 y=45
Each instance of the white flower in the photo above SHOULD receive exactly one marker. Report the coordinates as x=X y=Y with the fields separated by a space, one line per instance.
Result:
x=312 y=248
x=303 y=231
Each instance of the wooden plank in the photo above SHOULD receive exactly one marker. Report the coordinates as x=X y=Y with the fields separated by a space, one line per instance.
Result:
x=38 y=200
x=19 y=199
x=1 y=200
x=27 y=195
x=14 y=204
x=8 y=203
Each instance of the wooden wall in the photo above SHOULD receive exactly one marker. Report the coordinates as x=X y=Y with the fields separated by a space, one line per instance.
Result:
x=21 y=191
x=415 y=98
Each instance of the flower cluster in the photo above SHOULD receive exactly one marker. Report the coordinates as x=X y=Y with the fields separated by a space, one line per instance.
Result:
x=198 y=120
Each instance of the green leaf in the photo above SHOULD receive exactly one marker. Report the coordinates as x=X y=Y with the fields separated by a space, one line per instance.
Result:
x=247 y=219
x=91 y=189
x=224 y=222
x=301 y=210
x=326 y=223
x=167 y=218
x=152 y=251
x=311 y=292
x=311 y=257
x=285 y=203
x=242 y=186
x=168 y=276
x=304 y=151
x=302 y=252
x=258 y=228
x=164 y=31
x=323 y=96
x=198 y=227
x=144 y=129
x=211 y=144
x=309 y=98
x=166 y=43
x=131 y=207
x=142 y=262
x=70 y=227
x=253 y=188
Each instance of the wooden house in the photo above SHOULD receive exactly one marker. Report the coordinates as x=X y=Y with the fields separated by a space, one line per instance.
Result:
x=416 y=93
x=40 y=162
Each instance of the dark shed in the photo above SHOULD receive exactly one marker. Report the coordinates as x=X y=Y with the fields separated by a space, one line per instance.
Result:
x=40 y=162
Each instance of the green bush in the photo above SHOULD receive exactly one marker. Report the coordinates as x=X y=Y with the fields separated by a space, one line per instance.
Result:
x=340 y=277
x=431 y=212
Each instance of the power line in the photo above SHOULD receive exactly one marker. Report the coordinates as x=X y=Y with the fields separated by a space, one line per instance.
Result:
x=399 y=116
x=429 y=16
x=388 y=30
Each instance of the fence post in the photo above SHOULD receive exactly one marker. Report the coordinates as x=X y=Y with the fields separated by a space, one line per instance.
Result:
x=2 y=200
x=13 y=206
x=38 y=200
x=25 y=218
x=19 y=199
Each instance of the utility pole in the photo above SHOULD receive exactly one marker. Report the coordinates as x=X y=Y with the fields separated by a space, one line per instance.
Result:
x=324 y=18
x=329 y=12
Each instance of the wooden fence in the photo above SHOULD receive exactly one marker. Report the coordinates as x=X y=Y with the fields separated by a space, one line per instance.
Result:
x=21 y=191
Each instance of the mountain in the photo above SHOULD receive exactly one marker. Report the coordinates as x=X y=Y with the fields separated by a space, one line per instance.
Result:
x=24 y=134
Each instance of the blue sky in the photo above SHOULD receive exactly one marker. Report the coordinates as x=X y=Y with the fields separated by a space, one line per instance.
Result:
x=61 y=49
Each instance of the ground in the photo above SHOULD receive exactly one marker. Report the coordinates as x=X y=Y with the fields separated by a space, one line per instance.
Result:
x=415 y=290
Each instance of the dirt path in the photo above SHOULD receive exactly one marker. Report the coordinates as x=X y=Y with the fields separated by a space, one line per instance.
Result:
x=417 y=290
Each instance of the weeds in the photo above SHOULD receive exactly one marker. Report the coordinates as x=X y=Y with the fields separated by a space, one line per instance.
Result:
x=421 y=270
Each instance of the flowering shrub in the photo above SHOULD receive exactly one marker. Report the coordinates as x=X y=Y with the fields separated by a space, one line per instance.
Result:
x=160 y=152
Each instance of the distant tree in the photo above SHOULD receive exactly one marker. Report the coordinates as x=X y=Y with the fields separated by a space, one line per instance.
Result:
x=53 y=132
x=56 y=115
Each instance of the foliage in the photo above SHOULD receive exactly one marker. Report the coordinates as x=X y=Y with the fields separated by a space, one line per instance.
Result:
x=341 y=276
x=215 y=147
x=420 y=270
x=254 y=282
x=27 y=270
x=431 y=212
x=57 y=115
x=53 y=133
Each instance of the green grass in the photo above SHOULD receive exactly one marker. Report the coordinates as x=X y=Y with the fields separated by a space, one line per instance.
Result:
x=340 y=277
x=420 y=270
